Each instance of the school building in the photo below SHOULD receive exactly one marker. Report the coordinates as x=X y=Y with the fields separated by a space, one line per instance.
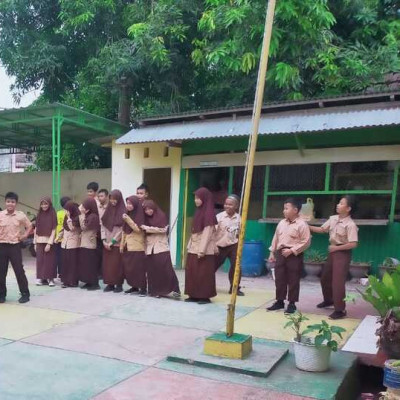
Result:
x=319 y=149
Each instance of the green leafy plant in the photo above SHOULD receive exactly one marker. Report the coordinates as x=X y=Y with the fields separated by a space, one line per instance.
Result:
x=384 y=295
x=315 y=256
x=295 y=321
x=325 y=332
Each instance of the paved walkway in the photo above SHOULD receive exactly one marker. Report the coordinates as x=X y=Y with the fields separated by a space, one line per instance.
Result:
x=73 y=344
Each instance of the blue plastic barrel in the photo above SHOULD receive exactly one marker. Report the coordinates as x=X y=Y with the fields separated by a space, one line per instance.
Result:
x=253 y=258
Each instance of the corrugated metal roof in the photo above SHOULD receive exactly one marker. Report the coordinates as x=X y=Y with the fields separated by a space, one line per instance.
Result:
x=272 y=124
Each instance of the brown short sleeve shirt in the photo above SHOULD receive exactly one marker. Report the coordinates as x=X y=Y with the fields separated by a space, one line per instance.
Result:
x=12 y=226
x=341 y=230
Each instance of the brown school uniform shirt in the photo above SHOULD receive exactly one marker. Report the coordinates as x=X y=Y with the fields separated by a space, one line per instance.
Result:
x=203 y=242
x=227 y=229
x=45 y=239
x=71 y=239
x=156 y=239
x=12 y=226
x=133 y=241
x=341 y=231
x=115 y=234
x=294 y=235
x=88 y=237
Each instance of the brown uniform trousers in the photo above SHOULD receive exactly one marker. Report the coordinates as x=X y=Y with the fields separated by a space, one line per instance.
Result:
x=287 y=276
x=333 y=278
x=12 y=253
x=229 y=252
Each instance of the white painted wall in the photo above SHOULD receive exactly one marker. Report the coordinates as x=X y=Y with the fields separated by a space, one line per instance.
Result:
x=127 y=174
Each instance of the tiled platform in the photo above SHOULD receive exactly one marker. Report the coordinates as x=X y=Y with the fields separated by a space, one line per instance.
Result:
x=76 y=345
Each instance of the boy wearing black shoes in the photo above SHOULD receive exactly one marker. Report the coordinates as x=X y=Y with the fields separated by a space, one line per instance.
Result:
x=15 y=227
x=292 y=237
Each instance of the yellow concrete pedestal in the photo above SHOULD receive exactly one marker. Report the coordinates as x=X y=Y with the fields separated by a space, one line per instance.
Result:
x=236 y=346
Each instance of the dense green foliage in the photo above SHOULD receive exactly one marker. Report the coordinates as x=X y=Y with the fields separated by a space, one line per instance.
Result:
x=176 y=55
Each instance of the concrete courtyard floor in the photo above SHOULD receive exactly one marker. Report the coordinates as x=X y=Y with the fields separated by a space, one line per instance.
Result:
x=73 y=344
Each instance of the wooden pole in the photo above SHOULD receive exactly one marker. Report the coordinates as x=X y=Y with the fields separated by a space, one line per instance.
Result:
x=259 y=96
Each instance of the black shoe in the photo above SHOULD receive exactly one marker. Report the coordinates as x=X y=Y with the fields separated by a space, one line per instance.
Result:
x=204 y=301
x=240 y=293
x=24 y=298
x=2 y=300
x=291 y=308
x=324 y=304
x=338 y=315
x=118 y=289
x=85 y=286
x=94 y=287
x=191 y=300
x=142 y=293
x=108 y=288
x=132 y=290
x=278 y=305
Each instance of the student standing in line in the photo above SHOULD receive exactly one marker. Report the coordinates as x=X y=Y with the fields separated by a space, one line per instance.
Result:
x=111 y=232
x=70 y=245
x=227 y=237
x=92 y=188
x=343 y=237
x=59 y=232
x=132 y=247
x=88 y=259
x=202 y=250
x=161 y=275
x=15 y=227
x=142 y=192
x=102 y=203
x=45 y=233
x=291 y=239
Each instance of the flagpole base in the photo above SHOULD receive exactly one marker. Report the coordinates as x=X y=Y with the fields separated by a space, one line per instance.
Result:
x=237 y=346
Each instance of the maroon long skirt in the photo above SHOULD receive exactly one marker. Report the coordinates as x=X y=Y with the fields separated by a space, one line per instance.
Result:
x=161 y=274
x=134 y=263
x=113 y=273
x=46 y=263
x=88 y=261
x=69 y=272
x=200 y=277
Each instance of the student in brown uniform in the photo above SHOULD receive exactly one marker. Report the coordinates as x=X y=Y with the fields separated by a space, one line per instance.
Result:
x=111 y=232
x=162 y=279
x=227 y=237
x=70 y=243
x=292 y=237
x=92 y=188
x=88 y=259
x=343 y=237
x=142 y=192
x=45 y=234
x=15 y=227
x=202 y=250
x=132 y=247
x=102 y=203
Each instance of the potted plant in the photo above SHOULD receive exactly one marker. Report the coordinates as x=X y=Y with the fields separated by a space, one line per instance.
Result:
x=359 y=269
x=389 y=265
x=313 y=353
x=313 y=263
x=384 y=295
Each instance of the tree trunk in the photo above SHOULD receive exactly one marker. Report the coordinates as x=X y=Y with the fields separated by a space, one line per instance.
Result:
x=124 y=111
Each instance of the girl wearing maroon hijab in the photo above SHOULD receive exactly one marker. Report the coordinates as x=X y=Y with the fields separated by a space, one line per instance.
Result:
x=202 y=250
x=161 y=275
x=132 y=247
x=71 y=235
x=89 y=257
x=45 y=233
x=111 y=232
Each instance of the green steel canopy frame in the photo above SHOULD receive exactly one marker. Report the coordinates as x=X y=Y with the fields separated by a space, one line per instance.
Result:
x=31 y=127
